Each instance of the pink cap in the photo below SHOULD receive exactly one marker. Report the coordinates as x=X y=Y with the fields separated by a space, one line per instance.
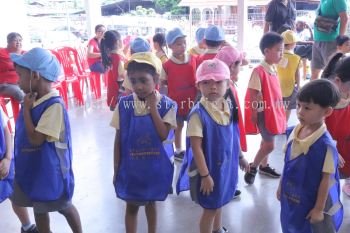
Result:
x=229 y=55
x=212 y=70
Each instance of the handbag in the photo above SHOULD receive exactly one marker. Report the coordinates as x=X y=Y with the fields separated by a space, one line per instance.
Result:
x=325 y=24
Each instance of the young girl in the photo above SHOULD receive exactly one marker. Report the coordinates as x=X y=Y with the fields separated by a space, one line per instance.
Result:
x=113 y=60
x=143 y=121
x=212 y=155
x=337 y=71
x=179 y=79
x=160 y=46
x=43 y=147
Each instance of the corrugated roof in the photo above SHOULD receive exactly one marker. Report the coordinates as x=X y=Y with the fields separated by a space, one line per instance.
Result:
x=209 y=3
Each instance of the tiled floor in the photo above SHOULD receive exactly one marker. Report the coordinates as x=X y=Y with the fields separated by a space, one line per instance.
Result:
x=256 y=211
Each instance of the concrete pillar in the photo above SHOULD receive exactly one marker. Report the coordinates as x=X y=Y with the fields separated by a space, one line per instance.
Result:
x=13 y=18
x=242 y=23
x=93 y=15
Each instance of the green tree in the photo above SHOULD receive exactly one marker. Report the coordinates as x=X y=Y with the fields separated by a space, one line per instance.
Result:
x=170 y=6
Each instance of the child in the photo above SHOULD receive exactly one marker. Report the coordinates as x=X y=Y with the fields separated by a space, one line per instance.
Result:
x=43 y=150
x=343 y=44
x=113 y=60
x=160 y=47
x=143 y=121
x=179 y=79
x=337 y=71
x=309 y=187
x=212 y=155
x=288 y=72
x=7 y=175
x=214 y=38
x=200 y=47
x=264 y=111
x=139 y=45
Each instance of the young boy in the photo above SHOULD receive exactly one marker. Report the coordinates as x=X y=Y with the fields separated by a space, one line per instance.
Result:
x=212 y=155
x=309 y=187
x=43 y=150
x=200 y=47
x=288 y=72
x=214 y=38
x=143 y=171
x=343 y=44
x=179 y=79
x=264 y=111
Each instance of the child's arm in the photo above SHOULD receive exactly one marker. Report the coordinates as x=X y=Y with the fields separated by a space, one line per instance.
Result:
x=161 y=127
x=297 y=76
x=6 y=161
x=116 y=154
x=278 y=193
x=255 y=100
x=207 y=183
x=35 y=138
x=316 y=214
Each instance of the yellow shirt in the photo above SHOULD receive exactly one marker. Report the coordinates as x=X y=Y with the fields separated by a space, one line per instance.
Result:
x=222 y=117
x=254 y=82
x=301 y=146
x=212 y=51
x=286 y=71
x=140 y=109
x=196 y=51
x=51 y=122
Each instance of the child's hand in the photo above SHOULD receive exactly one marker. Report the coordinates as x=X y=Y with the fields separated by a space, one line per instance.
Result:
x=341 y=162
x=207 y=185
x=29 y=99
x=243 y=164
x=254 y=118
x=4 y=167
x=315 y=216
x=151 y=100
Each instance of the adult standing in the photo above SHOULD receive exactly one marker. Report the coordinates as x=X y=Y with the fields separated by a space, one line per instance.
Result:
x=93 y=52
x=325 y=44
x=8 y=75
x=280 y=16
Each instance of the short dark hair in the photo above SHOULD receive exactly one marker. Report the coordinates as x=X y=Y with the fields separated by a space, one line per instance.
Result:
x=98 y=26
x=12 y=35
x=136 y=66
x=338 y=66
x=321 y=91
x=340 y=40
x=269 y=40
x=212 y=43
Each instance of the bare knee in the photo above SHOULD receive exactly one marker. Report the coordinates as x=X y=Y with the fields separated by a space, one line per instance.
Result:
x=132 y=209
x=268 y=146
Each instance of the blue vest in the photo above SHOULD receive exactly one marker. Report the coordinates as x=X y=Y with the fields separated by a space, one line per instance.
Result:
x=145 y=171
x=44 y=173
x=6 y=185
x=300 y=182
x=221 y=150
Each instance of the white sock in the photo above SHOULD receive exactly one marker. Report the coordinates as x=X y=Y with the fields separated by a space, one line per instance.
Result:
x=178 y=151
x=27 y=226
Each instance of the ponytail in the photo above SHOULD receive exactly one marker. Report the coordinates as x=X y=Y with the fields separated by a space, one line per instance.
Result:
x=107 y=45
x=329 y=71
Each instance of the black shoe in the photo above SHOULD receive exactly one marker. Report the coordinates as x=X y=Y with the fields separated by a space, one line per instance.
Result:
x=269 y=171
x=32 y=229
x=237 y=194
x=249 y=177
x=179 y=156
x=221 y=230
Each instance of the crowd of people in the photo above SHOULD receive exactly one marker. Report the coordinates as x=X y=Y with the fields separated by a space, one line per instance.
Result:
x=153 y=92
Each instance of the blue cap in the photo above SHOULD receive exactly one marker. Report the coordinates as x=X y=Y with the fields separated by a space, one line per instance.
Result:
x=172 y=35
x=41 y=61
x=200 y=35
x=214 y=33
x=139 y=45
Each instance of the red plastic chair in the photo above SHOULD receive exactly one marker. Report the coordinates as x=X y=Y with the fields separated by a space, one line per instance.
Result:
x=4 y=108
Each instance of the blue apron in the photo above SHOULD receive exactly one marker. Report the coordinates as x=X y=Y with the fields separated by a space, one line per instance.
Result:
x=221 y=150
x=6 y=185
x=300 y=182
x=44 y=173
x=145 y=171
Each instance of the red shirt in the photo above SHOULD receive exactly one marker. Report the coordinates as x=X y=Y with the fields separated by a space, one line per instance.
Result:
x=96 y=49
x=7 y=70
x=205 y=56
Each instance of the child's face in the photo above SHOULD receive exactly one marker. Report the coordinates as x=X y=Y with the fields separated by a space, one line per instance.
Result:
x=234 y=70
x=345 y=48
x=213 y=90
x=344 y=88
x=311 y=114
x=25 y=77
x=274 y=54
x=142 y=83
x=179 y=46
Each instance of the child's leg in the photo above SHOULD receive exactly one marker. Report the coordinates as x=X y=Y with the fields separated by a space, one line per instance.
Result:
x=42 y=222
x=151 y=214
x=22 y=213
x=131 y=218
x=178 y=134
x=72 y=216
x=217 y=220
x=288 y=114
x=207 y=220
x=266 y=147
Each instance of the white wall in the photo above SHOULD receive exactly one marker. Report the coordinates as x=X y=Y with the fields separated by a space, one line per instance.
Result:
x=93 y=15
